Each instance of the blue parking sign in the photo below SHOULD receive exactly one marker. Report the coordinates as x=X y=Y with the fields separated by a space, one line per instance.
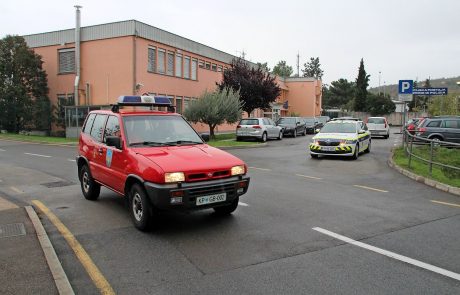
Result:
x=405 y=86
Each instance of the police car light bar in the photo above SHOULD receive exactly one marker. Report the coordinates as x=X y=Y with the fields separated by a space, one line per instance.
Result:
x=143 y=100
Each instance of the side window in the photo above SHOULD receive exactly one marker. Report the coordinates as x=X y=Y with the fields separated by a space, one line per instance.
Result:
x=112 y=128
x=98 y=127
x=434 y=124
x=266 y=122
x=89 y=123
x=271 y=122
x=451 y=124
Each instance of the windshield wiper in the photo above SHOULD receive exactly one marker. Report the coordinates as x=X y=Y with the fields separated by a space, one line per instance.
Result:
x=149 y=143
x=180 y=142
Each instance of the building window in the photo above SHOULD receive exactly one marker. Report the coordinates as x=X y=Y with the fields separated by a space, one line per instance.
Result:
x=178 y=65
x=194 y=68
x=161 y=61
x=179 y=104
x=208 y=66
x=214 y=67
x=201 y=64
x=186 y=102
x=170 y=70
x=151 y=59
x=66 y=60
x=219 y=68
x=187 y=67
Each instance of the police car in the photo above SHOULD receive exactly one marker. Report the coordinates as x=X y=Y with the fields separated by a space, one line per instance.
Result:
x=345 y=137
x=156 y=160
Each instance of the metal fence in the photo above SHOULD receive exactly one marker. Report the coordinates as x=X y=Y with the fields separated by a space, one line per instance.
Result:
x=413 y=143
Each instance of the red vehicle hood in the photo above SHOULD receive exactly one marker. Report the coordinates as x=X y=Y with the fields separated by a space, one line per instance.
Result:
x=192 y=158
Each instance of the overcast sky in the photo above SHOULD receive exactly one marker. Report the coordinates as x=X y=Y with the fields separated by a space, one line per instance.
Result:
x=403 y=39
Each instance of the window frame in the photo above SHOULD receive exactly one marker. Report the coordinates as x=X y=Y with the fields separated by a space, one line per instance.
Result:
x=73 y=66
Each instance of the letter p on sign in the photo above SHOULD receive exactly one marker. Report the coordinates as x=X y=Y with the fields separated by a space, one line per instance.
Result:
x=405 y=86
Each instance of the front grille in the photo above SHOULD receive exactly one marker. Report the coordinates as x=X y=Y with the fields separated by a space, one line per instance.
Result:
x=208 y=175
x=210 y=190
x=328 y=143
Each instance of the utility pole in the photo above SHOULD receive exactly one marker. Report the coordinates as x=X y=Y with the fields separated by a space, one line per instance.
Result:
x=298 y=64
x=380 y=89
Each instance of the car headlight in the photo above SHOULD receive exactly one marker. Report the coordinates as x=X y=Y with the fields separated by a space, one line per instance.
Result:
x=237 y=170
x=314 y=141
x=174 y=177
x=350 y=141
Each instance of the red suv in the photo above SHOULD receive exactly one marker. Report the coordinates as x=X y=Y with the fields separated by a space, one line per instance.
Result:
x=157 y=160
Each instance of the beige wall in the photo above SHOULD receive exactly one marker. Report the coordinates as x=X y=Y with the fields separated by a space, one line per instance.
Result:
x=304 y=97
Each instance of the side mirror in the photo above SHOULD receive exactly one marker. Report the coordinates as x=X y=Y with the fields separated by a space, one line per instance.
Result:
x=361 y=131
x=205 y=136
x=114 y=141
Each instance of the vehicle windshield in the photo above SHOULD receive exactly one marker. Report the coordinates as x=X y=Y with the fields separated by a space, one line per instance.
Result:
x=286 y=121
x=339 y=128
x=249 y=122
x=159 y=131
x=309 y=121
x=376 y=120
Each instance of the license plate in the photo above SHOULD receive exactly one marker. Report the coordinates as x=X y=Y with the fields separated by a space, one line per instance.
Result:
x=211 y=199
x=328 y=148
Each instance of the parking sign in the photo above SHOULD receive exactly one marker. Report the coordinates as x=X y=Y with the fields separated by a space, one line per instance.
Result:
x=405 y=86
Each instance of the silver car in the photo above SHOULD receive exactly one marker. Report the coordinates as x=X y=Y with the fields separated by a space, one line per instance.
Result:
x=258 y=128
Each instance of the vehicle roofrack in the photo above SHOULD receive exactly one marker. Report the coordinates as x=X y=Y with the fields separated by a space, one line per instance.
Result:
x=143 y=100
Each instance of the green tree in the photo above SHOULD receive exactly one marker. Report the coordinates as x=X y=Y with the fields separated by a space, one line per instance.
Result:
x=257 y=89
x=24 y=101
x=362 y=82
x=215 y=108
x=379 y=105
x=340 y=93
x=264 y=67
x=282 y=69
x=313 y=69
x=444 y=105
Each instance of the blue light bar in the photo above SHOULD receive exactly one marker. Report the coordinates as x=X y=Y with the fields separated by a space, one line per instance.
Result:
x=144 y=100
x=129 y=99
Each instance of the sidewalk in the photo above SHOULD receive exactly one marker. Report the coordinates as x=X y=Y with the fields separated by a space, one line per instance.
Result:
x=23 y=267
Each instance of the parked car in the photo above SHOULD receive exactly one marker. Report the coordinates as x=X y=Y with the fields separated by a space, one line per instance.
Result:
x=312 y=124
x=444 y=128
x=378 y=126
x=412 y=124
x=157 y=161
x=258 y=128
x=323 y=119
x=292 y=126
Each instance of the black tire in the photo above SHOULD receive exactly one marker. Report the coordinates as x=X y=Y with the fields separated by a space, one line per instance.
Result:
x=314 y=156
x=436 y=138
x=295 y=133
x=280 y=136
x=238 y=138
x=264 y=137
x=387 y=136
x=368 y=150
x=356 y=153
x=228 y=209
x=140 y=208
x=90 y=188
x=304 y=132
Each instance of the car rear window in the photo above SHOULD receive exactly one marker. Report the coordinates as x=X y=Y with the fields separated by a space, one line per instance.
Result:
x=249 y=122
x=376 y=120
x=452 y=124
x=287 y=120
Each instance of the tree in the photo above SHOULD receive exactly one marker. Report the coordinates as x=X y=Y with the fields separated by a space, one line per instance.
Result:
x=215 y=108
x=257 y=89
x=24 y=101
x=379 y=105
x=444 y=105
x=362 y=82
x=264 y=67
x=282 y=69
x=313 y=69
x=340 y=93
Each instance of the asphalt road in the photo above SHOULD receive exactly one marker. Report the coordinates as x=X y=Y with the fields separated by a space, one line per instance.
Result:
x=268 y=246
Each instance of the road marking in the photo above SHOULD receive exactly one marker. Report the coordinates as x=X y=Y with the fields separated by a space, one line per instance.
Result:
x=263 y=169
x=2 y=150
x=71 y=160
x=93 y=271
x=370 y=188
x=16 y=190
x=37 y=155
x=444 y=203
x=5 y=205
x=393 y=255
x=243 y=204
x=311 y=177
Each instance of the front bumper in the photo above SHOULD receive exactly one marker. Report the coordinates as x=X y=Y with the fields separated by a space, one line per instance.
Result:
x=288 y=131
x=161 y=194
x=342 y=150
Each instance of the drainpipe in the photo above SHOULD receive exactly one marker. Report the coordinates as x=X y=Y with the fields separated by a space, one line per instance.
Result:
x=77 y=53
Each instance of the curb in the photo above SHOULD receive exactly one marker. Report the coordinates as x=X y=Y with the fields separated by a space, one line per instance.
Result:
x=60 y=278
x=427 y=181
x=72 y=144
x=260 y=145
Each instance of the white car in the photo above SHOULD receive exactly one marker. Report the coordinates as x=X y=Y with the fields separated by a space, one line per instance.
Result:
x=259 y=128
x=378 y=126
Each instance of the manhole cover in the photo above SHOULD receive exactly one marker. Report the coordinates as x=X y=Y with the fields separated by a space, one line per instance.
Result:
x=57 y=184
x=12 y=230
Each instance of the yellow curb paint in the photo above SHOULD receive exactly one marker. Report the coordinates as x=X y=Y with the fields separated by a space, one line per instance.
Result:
x=370 y=188
x=444 y=203
x=93 y=271
x=306 y=176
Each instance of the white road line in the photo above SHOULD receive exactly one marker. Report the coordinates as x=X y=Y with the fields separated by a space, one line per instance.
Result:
x=311 y=177
x=243 y=204
x=445 y=203
x=71 y=160
x=263 y=169
x=370 y=188
x=16 y=190
x=37 y=155
x=2 y=150
x=393 y=255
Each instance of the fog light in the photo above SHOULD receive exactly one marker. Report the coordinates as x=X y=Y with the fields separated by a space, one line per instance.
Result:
x=242 y=184
x=240 y=190
x=176 y=200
